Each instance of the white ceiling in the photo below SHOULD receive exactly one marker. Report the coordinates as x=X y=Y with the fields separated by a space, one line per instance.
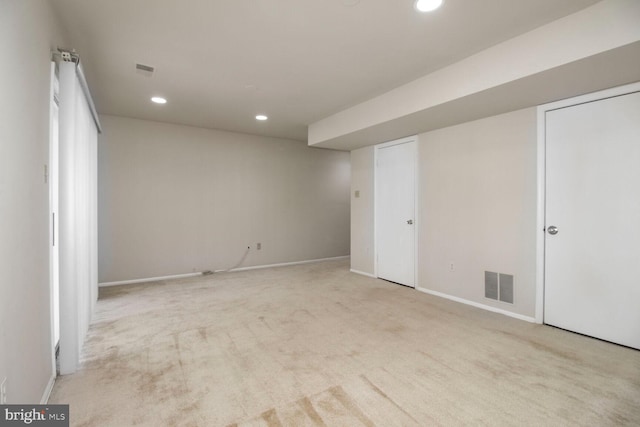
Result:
x=221 y=62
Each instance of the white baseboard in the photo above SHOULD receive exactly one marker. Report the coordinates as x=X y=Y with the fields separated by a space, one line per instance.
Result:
x=149 y=279
x=478 y=305
x=255 y=267
x=362 y=273
x=47 y=391
x=284 y=264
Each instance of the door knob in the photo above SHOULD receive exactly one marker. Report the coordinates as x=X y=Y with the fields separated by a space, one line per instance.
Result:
x=409 y=221
x=552 y=229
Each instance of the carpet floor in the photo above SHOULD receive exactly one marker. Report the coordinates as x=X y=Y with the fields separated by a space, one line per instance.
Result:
x=316 y=345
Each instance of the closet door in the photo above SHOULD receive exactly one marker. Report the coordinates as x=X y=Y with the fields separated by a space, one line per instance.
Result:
x=395 y=211
x=592 y=219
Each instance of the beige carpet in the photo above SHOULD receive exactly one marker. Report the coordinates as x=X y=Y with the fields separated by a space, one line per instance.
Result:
x=315 y=345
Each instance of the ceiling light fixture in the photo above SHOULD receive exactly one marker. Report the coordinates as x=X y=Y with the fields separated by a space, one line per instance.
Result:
x=427 y=5
x=261 y=117
x=159 y=100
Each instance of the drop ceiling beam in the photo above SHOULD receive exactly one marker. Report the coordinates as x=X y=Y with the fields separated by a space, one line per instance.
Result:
x=595 y=48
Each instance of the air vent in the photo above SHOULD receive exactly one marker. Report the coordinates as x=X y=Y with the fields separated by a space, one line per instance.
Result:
x=498 y=286
x=490 y=285
x=506 y=288
x=146 y=70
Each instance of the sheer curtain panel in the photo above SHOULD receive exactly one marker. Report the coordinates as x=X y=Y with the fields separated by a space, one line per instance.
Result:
x=78 y=139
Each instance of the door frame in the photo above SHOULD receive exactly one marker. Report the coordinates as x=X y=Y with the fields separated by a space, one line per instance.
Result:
x=52 y=178
x=406 y=140
x=541 y=173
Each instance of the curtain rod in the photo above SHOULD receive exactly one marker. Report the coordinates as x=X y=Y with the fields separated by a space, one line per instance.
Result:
x=65 y=55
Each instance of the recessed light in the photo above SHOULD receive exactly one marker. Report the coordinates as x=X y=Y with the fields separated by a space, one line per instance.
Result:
x=427 y=5
x=159 y=100
x=261 y=117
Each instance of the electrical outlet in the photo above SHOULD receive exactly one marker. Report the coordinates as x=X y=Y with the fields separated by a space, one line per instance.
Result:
x=452 y=266
x=259 y=246
x=3 y=392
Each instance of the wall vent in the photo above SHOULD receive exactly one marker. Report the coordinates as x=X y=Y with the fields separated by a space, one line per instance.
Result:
x=146 y=70
x=491 y=285
x=498 y=286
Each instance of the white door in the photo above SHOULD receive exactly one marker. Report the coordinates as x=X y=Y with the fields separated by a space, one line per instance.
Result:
x=592 y=256
x=395 y=211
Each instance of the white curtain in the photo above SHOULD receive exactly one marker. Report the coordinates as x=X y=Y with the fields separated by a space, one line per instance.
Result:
x=78 y=235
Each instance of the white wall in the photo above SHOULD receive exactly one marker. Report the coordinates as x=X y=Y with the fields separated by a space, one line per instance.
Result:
x=177 y=199
x=27 y=35
x=477 y=208
x=362 y=210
